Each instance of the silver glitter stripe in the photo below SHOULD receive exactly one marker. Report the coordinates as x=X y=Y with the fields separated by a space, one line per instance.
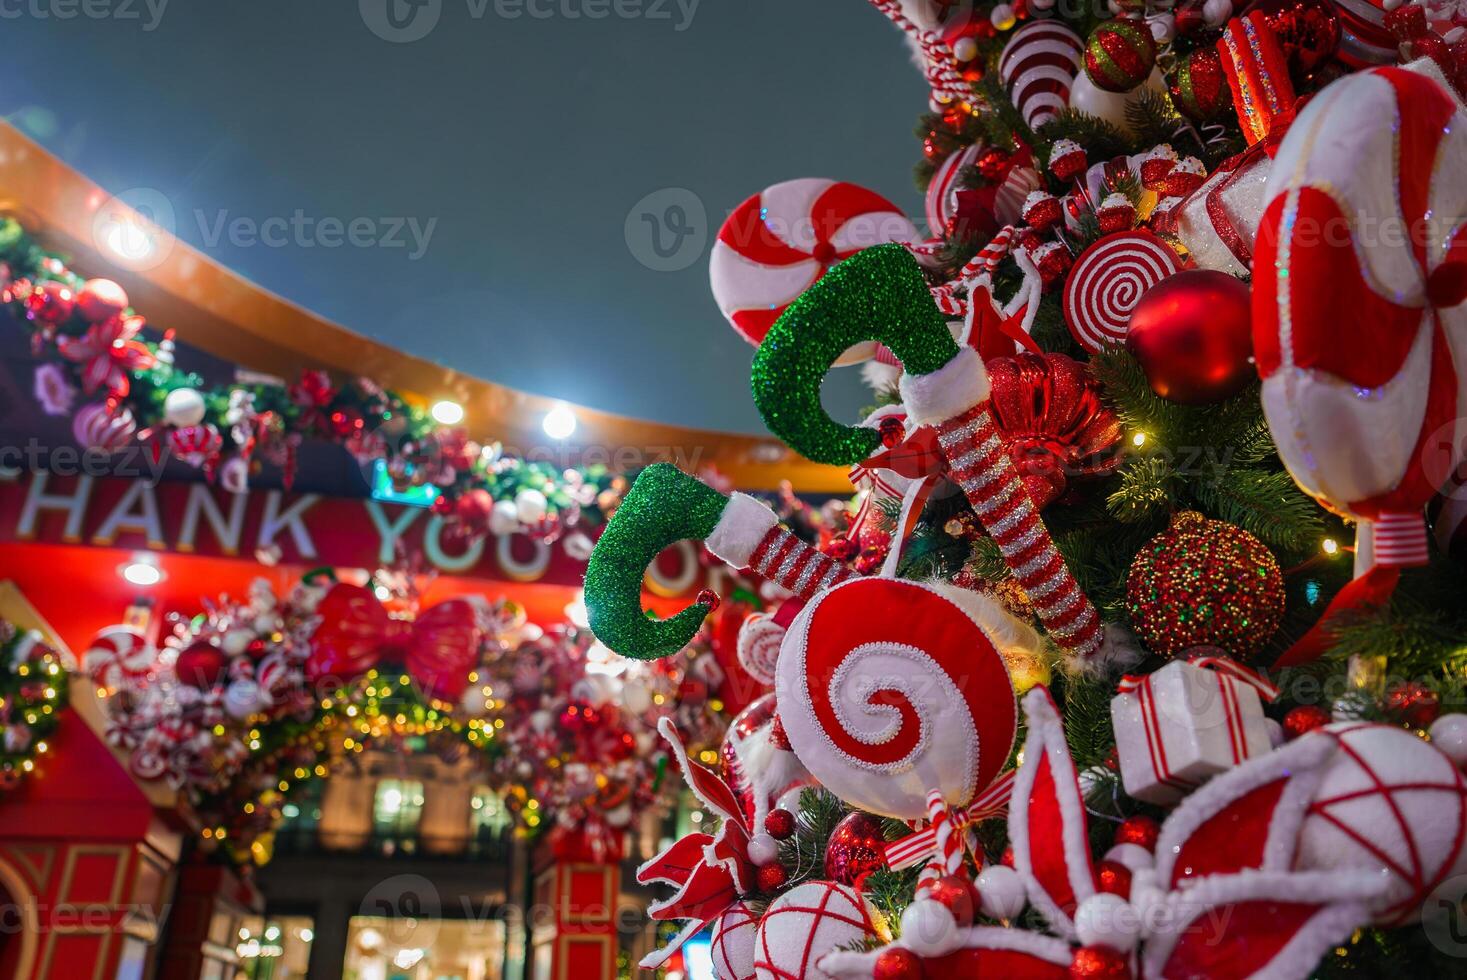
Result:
x=1060 y=604
x=769 y=564
x=978 y=453
x=950 y=437
x=763 y=552
x=1005 y=525
x=981 y=480
x=787 y=567
x=1056 y=581
x=998 y=501
x=816 y=565
x=1027 y=539
x=1080 y=625
x=1033 y=566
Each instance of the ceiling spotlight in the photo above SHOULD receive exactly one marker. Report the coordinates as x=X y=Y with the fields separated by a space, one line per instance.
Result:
x=142 y=571
x=448 y=413
x=559 y=422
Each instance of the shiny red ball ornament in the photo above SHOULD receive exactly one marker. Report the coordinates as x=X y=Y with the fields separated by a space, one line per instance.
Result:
x=256 y=649
x=51 y=303
x=855 y=848
x=1140 y=829
x=1308 y=30
x=994 y=164
x=772 y=877
x=201 y=665
x=101 y=299
x=1304 y=719
x=896 y=963
x=1007 y=857
x=1414 y=703
x=1113 y=878
x=709 y=598
x=780 y=824
x=1099 y=963
x=474 y=508
x=1192 y=335
x=958 y=895
x=893 y=430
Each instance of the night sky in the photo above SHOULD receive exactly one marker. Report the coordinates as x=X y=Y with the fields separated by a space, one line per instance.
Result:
x=486 y=169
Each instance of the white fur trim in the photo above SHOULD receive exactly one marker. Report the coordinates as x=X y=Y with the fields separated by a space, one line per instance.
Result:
x=741 y=527
x=880 y=377
x=849 y=966
x=949 y=391
x=1118 y=652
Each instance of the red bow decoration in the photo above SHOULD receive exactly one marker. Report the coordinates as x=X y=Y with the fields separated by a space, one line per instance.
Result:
x=438 y=649
x=709 y=872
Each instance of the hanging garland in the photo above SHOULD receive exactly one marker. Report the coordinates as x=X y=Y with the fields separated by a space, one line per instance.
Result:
x=32 y=693
x=252 y=699
x=102 y=366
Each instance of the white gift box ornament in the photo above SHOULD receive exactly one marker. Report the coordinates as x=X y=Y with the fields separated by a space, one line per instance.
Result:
x=1187 y=722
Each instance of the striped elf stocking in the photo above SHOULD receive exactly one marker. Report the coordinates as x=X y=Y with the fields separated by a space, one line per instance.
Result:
x=955 y=399
x=750 y=536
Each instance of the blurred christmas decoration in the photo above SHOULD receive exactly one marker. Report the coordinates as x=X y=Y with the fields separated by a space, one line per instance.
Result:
x=33 y=692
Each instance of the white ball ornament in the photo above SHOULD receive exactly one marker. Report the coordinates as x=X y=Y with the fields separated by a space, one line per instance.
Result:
x=734 y=936
x=805 y=923
x=1001 y=892
x=1133 y=856
x=1107 y=920
x=504 y=518
x=1163 y=27
x=541 y=721
x=530 y=506
x=929 y=929
x=635 y=697
x=1449 y=735
x=763 y=849
x=1091 y=99
x=243 y=698
x=183 y=407
x=1216 y=12
x=235 y=642
x=1003 y=17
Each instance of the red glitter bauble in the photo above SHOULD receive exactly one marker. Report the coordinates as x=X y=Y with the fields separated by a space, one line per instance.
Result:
x=780 y=824
x=1113 y=878
x=1198 y=86
x=1120 y=54
x=201 y=665
x=1099 y=963
x=1192 y=334
x=51 y=303
x=1308 y=30
x=1205 y=583
x=958 y=895
x=855 y=848
x=1304 y=719
x=1414 y=703
x=772 y=877
x=897 y=964
x=1140 y=830
x=101 y=299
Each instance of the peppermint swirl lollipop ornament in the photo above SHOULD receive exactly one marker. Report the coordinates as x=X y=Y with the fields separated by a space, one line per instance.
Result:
x=889 y=689
x=880 y=294
x=780 y=241
x=1108 y=281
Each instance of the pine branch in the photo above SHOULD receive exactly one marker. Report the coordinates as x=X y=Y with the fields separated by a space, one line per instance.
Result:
x=1268 y=505
x=1147 y=491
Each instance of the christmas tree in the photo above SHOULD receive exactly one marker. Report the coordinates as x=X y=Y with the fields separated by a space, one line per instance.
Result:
x=1084 y=681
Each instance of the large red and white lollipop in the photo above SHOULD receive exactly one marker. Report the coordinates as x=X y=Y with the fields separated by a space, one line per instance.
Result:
x=779 y=242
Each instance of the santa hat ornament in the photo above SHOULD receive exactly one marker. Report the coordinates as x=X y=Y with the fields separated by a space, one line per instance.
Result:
x=1360 y=342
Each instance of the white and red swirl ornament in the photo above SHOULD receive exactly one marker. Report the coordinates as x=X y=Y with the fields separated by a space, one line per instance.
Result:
x=119 y=658
x=1038 y=65
x=889 y=689
x=98 y=426
x=1001 y=202
x=780 y=242
x=1107 y=282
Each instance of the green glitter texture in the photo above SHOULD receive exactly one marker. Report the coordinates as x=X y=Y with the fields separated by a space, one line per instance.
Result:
x=663 y=507
x=877 y=294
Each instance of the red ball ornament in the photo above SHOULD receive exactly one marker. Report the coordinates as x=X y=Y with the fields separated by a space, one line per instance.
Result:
x=1007 y=857
x=1414 y=703
x=51 y=303
x=896 y=963
x=1140 y=830
x=856 y=848
x=1304 y=719
x=1120 y=54
x=1198 y=86
x=256 y=649
x=772 y=877
x=1192 y=334
x=780 y=824
x=201 y=665
x=101 y=299
x=958 y=895
x=994 y=164
x=1099 y=963
x=473 y=509
x=1113 y=878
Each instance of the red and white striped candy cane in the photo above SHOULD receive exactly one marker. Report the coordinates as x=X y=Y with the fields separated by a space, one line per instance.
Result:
x=980 y=464
x=947 y=859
